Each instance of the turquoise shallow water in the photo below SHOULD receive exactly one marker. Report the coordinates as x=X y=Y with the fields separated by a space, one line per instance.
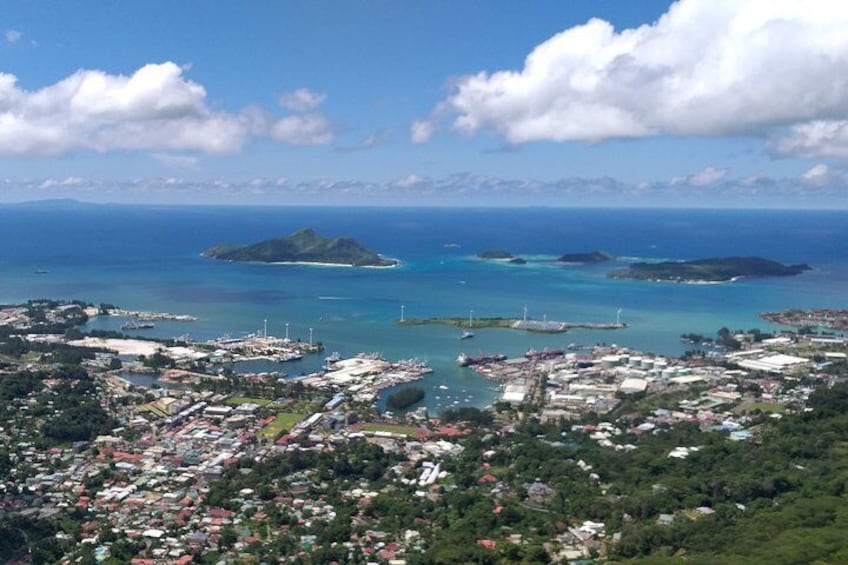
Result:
x=148 y=258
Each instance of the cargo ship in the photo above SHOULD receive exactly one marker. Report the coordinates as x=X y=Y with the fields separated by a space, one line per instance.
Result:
x=464 y=360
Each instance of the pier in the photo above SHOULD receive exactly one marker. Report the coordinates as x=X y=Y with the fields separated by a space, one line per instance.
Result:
x=528 y=325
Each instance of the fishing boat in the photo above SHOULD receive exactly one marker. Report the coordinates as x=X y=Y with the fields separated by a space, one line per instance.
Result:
x=331 y=360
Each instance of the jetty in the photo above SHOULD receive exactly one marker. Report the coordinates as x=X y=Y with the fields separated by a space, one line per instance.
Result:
x=528 y=325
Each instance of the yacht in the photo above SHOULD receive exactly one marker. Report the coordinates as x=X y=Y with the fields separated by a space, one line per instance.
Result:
x=468 y=333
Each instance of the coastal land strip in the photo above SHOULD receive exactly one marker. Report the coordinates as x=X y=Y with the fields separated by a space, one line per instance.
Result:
x=830 y=318
x=537 y=326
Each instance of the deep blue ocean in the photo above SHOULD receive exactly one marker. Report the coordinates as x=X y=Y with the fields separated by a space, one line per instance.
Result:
x=148 y=258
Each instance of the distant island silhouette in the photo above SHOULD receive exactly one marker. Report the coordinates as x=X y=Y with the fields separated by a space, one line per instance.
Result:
x=708 y=270
x=303 y=246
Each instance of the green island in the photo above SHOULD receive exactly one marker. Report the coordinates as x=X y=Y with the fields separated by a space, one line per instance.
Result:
x=590 y=257
x=708 y=270
x=303 y=246
x=495 y=254
x=404 y=398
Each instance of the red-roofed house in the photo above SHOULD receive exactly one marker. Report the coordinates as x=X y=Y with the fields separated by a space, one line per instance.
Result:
x=487 y=543
x=487 y=478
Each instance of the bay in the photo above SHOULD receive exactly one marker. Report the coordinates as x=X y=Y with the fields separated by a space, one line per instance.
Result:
x=148 y=258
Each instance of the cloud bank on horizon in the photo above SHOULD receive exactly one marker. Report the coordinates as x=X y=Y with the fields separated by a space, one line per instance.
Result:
x=461 y=189
x=776 y=69
x=154 y=108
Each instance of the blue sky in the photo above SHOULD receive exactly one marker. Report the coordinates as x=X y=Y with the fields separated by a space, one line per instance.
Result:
x=579 y=103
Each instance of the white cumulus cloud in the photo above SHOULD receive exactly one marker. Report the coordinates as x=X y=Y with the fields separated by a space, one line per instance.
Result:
x=303 y=129
x=421 y=131
x=814 y=140
x=708 y=176
x=155 y=108
x=409 y=181
x=302 y=100
x=820 y=175
x=12 y=36
x=705 y=68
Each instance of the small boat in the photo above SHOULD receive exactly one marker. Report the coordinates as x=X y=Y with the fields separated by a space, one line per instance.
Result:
x=41 y=271
x=468 y=333
x=334 y=357
x=331 y=360
x=288 y=357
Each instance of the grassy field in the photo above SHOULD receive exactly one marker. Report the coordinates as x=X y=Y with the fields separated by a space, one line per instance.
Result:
x=236 y=400
x=392 y=428
x=283 y=423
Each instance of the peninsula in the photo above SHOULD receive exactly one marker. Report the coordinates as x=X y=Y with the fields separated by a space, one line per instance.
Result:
x=303 y=246
x=587 y=258
x=708 y=270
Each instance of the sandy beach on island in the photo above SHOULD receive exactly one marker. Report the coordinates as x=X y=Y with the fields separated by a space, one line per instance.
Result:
x=321 y=264
x=303 y=263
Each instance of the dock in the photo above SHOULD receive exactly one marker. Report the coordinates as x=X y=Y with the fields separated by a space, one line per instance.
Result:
x=527 y=325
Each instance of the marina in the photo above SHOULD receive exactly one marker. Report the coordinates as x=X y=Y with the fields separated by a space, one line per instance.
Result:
x=261 y=346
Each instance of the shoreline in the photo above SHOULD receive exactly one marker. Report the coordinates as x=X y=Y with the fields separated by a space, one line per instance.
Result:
x=316 y=264
x=148 y=316
x=693 y=282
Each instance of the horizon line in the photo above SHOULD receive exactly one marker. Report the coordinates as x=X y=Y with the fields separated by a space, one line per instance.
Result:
x=457 y=206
